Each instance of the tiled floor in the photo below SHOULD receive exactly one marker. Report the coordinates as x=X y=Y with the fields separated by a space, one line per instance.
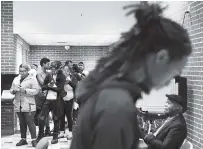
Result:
x=9 y=142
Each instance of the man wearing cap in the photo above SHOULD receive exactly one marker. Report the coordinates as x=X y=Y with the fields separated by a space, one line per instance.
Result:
x=173 y=131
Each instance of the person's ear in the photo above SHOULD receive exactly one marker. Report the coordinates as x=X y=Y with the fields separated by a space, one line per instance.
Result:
x=162 y=56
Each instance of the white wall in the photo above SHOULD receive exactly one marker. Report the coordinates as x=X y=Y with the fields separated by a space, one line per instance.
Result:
x=155 y=101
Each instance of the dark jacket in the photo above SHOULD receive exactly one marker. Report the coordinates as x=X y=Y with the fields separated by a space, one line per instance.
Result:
x=60 y=82
x=107 y=120
x=171 y=136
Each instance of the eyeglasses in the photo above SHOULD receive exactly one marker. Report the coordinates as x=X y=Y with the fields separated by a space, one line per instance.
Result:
x=23 y=71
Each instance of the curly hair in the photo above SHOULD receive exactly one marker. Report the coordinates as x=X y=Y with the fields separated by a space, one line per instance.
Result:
x=152 y=33
x=56 y=64
x=44 y=61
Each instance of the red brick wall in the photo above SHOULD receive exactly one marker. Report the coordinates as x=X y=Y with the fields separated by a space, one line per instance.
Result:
x=87 y=54
x=194 y=69
x=7 y=38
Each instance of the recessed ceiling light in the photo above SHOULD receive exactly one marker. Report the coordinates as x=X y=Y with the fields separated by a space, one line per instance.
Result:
x=61 y=42
x=67 y=47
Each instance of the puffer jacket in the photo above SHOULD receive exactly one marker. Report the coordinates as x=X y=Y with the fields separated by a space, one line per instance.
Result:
x=25 y=102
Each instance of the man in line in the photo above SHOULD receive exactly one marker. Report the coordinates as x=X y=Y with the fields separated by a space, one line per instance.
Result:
x=81 y=67
x=40 y=98
x=53 y=83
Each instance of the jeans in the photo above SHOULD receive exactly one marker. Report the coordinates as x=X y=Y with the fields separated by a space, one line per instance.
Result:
x=47 y=121
x=44 y=115
x=68 y=108
x=27 y=119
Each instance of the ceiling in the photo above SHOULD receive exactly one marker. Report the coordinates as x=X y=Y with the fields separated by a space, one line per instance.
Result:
x=76 y=22
x=71 y=22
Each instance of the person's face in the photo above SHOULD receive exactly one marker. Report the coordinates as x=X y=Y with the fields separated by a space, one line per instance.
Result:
x=67 y=70
x=169 y=107
x=33 y=67
x=161 y=69
x=70 y=64
x=46 y=65
x=81 y=67
x=23 y=72
x=53 y=70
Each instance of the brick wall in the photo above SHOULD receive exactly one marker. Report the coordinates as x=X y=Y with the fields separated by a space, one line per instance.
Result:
x=87 y=54
x=25 y=47
x=194 y=69
x=7 y=119
x=7 y=38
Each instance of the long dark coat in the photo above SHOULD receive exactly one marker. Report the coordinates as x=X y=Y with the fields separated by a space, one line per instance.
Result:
x=58 y=104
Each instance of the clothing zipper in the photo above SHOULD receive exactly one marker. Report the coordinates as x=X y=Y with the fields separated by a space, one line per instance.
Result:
x=29 y=109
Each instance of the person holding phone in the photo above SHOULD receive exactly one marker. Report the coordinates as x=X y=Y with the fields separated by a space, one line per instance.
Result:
x=69 y=99
x=25 y=87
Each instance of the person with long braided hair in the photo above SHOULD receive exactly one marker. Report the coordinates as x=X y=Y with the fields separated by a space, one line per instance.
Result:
x=146 y=57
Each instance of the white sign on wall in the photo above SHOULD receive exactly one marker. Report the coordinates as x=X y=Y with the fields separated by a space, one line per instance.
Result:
x=19 y=58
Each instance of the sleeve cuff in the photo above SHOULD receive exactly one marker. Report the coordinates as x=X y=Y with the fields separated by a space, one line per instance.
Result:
x=13 y=92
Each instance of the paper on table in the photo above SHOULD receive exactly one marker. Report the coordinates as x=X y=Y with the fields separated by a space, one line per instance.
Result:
x=7 y=95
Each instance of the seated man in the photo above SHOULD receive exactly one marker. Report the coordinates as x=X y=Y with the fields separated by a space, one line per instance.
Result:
x=173 y=131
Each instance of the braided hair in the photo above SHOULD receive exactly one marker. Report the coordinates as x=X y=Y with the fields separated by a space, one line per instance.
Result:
x=150 y=34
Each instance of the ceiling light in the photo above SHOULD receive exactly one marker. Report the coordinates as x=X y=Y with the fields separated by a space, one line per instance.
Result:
x=67 y=47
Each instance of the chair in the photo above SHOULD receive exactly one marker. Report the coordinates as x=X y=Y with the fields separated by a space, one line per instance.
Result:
x=186 y=145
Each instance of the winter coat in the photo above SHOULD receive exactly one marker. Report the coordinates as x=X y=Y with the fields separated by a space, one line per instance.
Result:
x=25 y=102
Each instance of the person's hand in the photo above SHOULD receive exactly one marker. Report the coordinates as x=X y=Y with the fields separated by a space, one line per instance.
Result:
x=142 y=132
x=68 y=79
x=16 y=89
x=51 y=84
x=149 y=137
x=22 y=90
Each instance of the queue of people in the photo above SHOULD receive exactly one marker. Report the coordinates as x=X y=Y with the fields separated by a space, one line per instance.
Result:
x=33 y=105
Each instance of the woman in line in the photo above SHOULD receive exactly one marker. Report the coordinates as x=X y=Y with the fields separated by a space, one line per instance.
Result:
x=25 y=87
x=69 y=99
x=147 y=57
x=54 y=81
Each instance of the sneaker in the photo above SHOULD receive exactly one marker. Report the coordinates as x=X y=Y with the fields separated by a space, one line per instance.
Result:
x=21 y=142
x=66 y=133
x=55 y=138
x=61 y=135
x=34 y=143
x=70 y=135
x=48 y=132
x=54 y=141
